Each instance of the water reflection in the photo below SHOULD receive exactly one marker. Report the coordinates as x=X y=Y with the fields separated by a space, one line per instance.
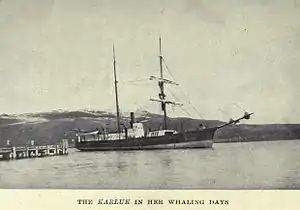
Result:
x=247 y=165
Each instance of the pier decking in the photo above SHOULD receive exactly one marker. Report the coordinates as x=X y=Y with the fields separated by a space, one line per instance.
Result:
x=33 y=151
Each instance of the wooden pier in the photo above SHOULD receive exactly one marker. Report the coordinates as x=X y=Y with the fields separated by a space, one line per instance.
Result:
x=33 y=151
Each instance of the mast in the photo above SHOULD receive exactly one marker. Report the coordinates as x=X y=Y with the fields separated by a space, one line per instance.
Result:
x=161 y=81
x=162 y=95
x=116 y=91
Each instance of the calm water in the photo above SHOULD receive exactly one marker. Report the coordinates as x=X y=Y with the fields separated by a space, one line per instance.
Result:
x=235 y=165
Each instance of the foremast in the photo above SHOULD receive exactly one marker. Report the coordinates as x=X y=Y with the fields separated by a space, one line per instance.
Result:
x=162 y=96
x=161 y=84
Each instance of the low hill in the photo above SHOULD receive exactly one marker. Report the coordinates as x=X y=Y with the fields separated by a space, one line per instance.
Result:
x=51 y=127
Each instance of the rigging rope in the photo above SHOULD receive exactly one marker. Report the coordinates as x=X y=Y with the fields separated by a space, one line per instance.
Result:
x=168 y=68
x=144 y=106
x=181 y=89
x=186 y=112
x=135 y=82
x=221 y=110
x=239 y=107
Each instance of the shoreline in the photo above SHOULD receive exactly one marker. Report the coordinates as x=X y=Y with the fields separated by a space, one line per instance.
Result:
x=218 y=141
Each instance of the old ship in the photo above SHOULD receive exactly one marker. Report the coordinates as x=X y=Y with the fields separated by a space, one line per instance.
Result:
x=138 y=137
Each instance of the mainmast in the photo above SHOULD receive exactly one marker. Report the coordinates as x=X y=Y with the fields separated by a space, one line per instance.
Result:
x=116 y=92
x=161 y=82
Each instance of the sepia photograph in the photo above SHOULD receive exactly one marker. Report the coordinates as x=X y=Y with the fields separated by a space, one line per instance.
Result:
x=161 y=94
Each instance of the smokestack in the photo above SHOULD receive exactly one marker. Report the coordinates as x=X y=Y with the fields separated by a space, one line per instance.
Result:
x=131 y=119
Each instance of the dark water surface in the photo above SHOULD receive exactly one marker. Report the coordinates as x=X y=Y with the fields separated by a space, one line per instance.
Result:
x=230 y=165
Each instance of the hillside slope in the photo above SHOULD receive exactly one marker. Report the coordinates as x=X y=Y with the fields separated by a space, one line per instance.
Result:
x=51 y=127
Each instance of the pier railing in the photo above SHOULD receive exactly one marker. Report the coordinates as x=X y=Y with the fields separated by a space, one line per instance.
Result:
x=33 y=151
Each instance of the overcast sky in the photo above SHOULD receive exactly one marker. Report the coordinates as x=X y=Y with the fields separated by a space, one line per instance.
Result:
x=57 y=54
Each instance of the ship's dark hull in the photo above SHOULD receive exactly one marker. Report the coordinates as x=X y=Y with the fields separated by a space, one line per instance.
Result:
x=187 y=140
